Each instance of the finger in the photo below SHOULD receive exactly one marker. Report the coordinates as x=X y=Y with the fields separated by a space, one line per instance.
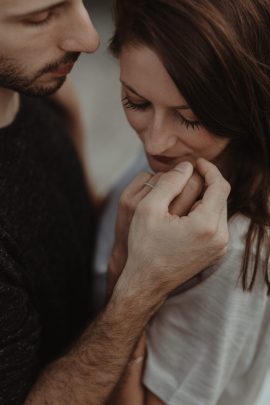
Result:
x=136 y=191
x=169 y=185
x=150 y=185
x=184 y=202
x=194 y=206
x=136 y=198
x=128 y=202
x=217 y=188
x=136 y=185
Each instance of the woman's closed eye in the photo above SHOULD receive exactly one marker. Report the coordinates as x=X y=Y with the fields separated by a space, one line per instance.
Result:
x=189 y=123
x=134 y=106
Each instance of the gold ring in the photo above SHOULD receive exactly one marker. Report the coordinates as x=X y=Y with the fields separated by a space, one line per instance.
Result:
x=149 y=185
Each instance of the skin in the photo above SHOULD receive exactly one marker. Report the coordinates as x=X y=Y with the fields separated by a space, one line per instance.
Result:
x=153 y=269
x=130 y=391
x=40 y=31
x=37 y=37
x=164 y=123
x=89 y=372
x=49 y=33
x=168 y=127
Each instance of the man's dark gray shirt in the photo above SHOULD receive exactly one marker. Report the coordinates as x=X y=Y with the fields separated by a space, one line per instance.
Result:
x=46 y=243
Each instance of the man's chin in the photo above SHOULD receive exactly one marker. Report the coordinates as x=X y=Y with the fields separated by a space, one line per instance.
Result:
x=42 y=91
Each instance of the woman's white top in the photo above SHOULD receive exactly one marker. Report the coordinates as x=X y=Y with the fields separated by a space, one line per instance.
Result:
x=210 y=344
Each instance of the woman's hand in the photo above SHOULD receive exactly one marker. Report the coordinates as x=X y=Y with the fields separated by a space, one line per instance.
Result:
x=129 y=200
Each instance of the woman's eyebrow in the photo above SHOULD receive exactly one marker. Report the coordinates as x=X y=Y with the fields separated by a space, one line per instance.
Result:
x=179 y=107
x=132 y=90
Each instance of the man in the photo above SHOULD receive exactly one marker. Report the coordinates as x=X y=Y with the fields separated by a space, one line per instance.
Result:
x=48 y=354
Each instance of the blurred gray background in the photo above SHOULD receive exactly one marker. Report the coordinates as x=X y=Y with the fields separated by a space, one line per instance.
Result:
x=111 y=146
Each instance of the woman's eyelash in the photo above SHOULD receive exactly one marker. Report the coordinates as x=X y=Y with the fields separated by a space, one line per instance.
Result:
x=142 y=107
x=132 y=106
x=188 y=124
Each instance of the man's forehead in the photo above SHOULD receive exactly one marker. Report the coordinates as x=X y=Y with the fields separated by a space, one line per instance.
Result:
x=24 y=6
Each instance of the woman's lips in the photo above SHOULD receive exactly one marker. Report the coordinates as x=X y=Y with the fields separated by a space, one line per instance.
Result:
x=164 y=163
x=163 y=159
x=161 y=163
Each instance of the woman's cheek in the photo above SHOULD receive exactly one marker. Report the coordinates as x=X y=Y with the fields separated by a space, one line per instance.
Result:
x=136 y=121
x=207 y=145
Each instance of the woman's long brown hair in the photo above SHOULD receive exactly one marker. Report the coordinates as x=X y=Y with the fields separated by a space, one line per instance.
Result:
x=218 y=54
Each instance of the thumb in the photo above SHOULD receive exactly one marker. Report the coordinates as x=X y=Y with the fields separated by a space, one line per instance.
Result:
x=170 y=185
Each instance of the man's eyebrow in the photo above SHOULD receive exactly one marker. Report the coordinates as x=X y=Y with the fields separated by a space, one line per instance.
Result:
x=40 y=9
x=180 y=107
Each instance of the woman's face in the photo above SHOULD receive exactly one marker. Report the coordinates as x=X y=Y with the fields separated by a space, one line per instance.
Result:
x=167 y=127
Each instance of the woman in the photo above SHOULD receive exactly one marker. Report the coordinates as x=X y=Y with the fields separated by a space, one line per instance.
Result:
x=196 y=83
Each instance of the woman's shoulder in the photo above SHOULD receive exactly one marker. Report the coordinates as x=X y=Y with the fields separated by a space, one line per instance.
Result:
x=238 y=227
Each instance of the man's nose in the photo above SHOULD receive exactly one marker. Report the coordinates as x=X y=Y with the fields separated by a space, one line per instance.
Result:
x=158 y=139
x=81 y=35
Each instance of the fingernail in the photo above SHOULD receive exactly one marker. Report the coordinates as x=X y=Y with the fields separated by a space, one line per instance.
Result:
x=183 y=166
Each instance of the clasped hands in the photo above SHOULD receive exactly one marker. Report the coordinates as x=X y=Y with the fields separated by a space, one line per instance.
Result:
x=167 y=234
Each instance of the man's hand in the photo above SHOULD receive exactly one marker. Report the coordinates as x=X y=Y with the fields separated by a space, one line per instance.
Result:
x=129 y=201
x=165 y=250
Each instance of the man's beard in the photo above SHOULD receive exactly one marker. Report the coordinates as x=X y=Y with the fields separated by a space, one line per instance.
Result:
x=12 y=77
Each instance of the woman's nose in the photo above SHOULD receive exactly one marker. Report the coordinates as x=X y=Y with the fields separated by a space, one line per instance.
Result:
x=158 y=138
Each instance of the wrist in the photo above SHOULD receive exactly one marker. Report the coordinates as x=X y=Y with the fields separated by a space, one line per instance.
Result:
x=134 y=293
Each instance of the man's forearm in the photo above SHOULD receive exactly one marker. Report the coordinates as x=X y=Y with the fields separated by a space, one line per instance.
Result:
x=90 y=371
x=130 y=390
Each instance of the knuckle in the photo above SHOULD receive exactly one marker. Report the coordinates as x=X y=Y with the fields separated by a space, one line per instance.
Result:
x=227 y=187
x=221 y=252
x=222 y=241
x=124 y=201
x=224 y=251
x=132 y=207
x=144 y=176
x=207 y=230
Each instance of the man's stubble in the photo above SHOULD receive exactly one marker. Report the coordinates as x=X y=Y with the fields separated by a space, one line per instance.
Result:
x=14 y=77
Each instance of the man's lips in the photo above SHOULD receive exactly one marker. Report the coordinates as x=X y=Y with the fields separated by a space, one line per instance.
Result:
x=63 y=70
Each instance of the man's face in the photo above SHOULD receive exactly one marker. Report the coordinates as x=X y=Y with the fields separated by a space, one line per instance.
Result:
x=40 y=40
